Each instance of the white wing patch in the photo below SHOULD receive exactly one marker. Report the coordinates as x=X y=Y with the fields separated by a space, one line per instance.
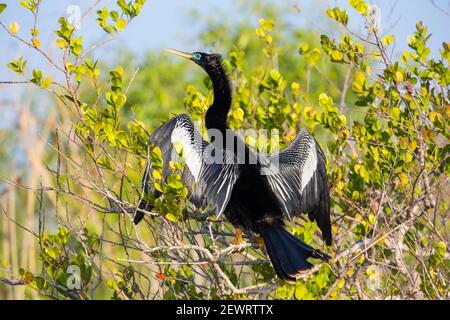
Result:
x=310 y=165
x=224 y=179
x=275 y=179
x=190 y=155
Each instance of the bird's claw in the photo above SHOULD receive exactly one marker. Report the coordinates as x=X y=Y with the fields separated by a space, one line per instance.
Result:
x=239 y=247
x=260 y=241
x=238 y=241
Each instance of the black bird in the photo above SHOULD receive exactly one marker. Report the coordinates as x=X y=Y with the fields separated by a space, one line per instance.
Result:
x=255 y=192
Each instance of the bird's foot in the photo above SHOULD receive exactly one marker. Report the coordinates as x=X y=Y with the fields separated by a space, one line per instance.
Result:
x=260 y=241
x=238 y=241
x=237 y=237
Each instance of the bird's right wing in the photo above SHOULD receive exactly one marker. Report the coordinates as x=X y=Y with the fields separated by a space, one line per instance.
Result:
x=208 y=181
x=298 y=177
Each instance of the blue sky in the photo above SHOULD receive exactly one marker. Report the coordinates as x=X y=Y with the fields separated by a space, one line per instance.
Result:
x=169 y=23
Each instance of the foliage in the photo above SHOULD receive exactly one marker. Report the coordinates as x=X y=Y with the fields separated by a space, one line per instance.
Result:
x=383 y=125
x=65 y=260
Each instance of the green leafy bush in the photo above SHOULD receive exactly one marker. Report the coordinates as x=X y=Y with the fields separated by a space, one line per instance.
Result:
x=383 y=124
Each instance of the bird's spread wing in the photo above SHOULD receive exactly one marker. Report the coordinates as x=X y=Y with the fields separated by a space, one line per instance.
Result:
x=209 y=177
x=219 y=177
x=298 y=177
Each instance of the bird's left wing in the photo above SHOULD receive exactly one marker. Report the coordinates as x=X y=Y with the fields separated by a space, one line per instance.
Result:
x=209 y=173
x=298 y=177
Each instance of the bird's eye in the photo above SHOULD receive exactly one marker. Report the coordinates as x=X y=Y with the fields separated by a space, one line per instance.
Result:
x=197 y=56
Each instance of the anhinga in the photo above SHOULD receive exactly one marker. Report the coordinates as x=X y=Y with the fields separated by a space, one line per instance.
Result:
x=253 y=191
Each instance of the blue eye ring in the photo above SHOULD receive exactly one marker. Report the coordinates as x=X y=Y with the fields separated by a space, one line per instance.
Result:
x=197 y=56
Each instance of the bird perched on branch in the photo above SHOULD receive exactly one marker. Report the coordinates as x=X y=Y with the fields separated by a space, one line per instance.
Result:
x=255 y=192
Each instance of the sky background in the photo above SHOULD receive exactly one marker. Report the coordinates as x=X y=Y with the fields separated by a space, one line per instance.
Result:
x=170 y=23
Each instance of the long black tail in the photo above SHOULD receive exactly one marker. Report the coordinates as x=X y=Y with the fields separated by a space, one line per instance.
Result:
x=143 y=205
x=288 y=254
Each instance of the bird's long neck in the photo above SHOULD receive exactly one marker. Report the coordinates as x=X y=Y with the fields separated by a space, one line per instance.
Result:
x=216 y=116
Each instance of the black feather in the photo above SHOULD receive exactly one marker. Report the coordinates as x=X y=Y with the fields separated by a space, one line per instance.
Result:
x=286 y=181
x=256 y=195
x=288 y=254
x=215 y=180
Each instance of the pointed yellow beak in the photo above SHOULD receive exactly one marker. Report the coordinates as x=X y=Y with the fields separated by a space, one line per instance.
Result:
x=180 y=53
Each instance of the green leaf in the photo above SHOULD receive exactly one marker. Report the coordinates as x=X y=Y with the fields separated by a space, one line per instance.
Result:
x=26 y=5
x=174 y=181
x=387 y=40
x=313 y=57
x=364 y=173
x=441 y=248
x=398 y=76
x=404 y=179
x=266 y=24
x=157 y=174
x=2 y=7
x=18 y=65
x=337 y=14
x=121 y=24
x=114 y=15
x=337 y=55
x=360 y=6
x=46 y=83
x=76 y=45
x=322 y=279
x=300 y=291
x=37 y=76
x=275 y=75
x=14 y=27
x=395 y=113
x=238 y=114
x=104 y=162
x=171 y=217
x=325 y=100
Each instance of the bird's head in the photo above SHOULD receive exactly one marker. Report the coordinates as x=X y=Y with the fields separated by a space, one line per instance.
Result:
x=204 y=60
